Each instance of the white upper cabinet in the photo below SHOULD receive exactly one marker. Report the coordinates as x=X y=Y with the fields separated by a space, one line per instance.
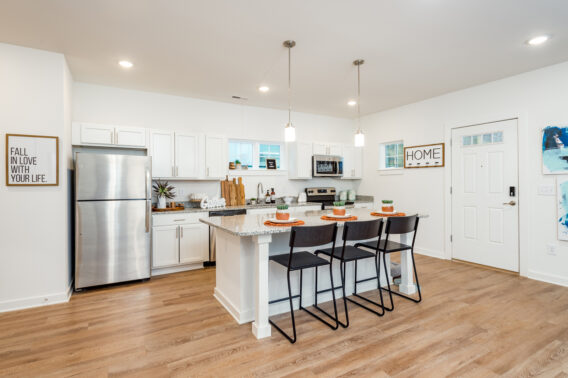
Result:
x=108 y=135
x=334 y=149
x=162 y=151
x=300 y=160
x=216 y=161
x=92 y=133
x=352 y=162
x=130 y=136
x=327 y=149
x=187 y=159
x=320 y=149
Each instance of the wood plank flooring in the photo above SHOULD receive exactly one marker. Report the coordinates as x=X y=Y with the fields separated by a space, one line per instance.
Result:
x=473 y=322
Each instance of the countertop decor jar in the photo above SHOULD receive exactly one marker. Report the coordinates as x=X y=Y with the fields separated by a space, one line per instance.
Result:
x=387 y=206
x=282 y=212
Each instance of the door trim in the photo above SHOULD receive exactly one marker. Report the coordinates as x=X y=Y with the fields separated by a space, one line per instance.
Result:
x=524 y=188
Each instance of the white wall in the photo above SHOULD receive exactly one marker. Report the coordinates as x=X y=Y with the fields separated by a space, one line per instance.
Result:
x=34 y=250
x=540 y=98
x=94 y=103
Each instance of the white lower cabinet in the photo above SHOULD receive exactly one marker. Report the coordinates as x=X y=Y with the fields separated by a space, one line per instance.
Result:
x=178 y=242
x=165 y=246
x=193 y=243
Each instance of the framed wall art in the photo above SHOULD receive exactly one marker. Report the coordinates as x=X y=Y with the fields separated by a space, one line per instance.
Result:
x=32 y=160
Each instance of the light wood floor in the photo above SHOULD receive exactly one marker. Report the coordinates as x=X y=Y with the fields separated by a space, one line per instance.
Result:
x=472 y=322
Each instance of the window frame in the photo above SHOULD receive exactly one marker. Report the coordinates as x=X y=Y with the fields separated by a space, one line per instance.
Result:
x=256 y=153
x=383 y=156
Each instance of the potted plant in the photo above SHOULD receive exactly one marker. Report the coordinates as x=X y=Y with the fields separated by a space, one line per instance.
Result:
x=253 y=201
x=339 y=208
x=163 y=190
x=282 y=212
x=387 y=206
x=238 y=164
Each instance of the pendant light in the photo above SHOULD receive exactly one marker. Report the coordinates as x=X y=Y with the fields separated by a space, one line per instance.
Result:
x=289 y=130
x=359 y=136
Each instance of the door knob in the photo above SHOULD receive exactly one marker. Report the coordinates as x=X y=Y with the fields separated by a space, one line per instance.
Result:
x=510 y=203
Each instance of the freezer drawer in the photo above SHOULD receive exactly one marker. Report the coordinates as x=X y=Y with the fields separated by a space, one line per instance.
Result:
x=113 y=242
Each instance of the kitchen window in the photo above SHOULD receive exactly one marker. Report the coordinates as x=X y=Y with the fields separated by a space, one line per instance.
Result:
x=253 y=154
x=391 y=155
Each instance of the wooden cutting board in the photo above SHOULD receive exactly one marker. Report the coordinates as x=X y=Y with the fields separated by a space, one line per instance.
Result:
x=241 y=192
x=233 y=192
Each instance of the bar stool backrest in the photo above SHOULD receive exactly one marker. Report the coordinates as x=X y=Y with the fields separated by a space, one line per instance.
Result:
x=313 y=236
x=402 y=225
x=362 y=230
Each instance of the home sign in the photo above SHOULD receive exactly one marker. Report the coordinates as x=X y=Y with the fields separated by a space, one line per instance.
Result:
x=32 y=160
x=426 y=156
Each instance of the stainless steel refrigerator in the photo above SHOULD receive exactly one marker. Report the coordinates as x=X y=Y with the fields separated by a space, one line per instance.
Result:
x=112 y=218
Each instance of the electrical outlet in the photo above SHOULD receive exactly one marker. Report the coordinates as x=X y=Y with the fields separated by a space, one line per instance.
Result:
x=551 y=249
x=181 y=191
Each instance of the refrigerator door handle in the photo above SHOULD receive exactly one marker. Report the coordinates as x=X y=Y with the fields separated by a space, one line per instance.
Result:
x=148 y=200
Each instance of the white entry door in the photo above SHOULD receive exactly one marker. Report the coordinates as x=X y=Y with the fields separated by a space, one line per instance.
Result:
x=485 y=209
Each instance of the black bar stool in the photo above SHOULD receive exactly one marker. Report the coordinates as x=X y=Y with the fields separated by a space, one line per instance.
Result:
x=363 y=230
x=306 y=236
x=398 y=226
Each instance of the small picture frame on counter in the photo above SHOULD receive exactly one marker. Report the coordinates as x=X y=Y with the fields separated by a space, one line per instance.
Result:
x=270 y=163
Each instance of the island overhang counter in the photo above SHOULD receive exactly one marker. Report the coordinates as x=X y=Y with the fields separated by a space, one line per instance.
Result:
x=246 y=282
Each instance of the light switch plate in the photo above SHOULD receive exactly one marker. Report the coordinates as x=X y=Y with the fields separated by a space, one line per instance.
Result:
x=546 y=190
x=551 y=249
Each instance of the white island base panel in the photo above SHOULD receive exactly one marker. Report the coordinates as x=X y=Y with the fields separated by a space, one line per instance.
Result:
x=246 y=280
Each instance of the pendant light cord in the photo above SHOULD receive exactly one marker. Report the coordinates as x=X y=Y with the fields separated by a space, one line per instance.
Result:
x=289 y=84
x=358 y=97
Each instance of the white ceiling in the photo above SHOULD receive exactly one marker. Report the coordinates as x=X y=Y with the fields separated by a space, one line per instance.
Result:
x=213 y=49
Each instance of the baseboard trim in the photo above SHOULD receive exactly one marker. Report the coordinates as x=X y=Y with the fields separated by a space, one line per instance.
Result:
x=430 y=253
x=38 y=301
x=549 y=278
x=240 y=317
x=176 y=269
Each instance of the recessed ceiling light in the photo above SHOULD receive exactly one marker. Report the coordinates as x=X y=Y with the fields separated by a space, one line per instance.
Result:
x=538 y=40
x=263 y=88
x=125 y=64
x=352 y=103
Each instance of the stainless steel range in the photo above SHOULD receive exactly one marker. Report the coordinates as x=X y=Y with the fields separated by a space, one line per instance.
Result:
x=325 y=196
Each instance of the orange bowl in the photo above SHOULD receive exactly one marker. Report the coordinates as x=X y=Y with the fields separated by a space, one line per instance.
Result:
x=282 y=216
x=338 y=211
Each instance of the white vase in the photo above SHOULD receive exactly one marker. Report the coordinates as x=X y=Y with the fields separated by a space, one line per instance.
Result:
x=161 y=202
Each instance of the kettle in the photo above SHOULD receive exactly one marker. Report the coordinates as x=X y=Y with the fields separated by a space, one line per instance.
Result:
x=302 y=197
x=343 y=195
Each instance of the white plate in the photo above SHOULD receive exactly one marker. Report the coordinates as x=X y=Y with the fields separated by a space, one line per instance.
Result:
x=274 y=220
x=331 y=215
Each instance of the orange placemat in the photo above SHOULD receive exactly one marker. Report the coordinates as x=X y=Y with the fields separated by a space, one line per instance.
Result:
x=325 y=217
x=296 y=223
x=388 y=215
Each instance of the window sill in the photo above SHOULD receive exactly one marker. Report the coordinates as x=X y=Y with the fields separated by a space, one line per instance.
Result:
x=392 y=171
x=257 y=172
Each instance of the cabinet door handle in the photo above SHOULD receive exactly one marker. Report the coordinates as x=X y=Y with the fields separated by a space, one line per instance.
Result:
x=115 y=137
x=112 y=138
x=177 y=171
x=181 y=230
x=207 y=171
x=173 y=171
x=177 y=232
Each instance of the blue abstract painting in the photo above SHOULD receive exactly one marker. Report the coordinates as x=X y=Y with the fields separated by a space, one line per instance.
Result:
x=555 y=149
x=562 y=198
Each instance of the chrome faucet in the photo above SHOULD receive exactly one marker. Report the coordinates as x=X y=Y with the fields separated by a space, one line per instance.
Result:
x=259 y=192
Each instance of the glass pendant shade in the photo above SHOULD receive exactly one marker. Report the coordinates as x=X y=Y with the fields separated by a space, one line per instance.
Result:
x=289 y=133
x=359 y=139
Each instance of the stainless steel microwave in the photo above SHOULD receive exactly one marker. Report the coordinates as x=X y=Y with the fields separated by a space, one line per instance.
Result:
x=327 y=166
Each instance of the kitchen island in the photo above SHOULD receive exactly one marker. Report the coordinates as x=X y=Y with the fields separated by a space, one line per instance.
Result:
x=246 y=282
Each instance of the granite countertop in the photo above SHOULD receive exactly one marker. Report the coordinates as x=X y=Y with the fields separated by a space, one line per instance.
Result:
x=250 y=224
x=248 y=207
